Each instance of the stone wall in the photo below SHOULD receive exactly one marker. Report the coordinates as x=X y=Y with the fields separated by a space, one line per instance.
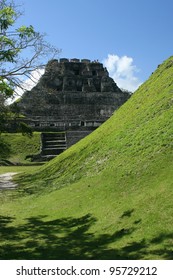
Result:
x=72 y=95
x=76 y=75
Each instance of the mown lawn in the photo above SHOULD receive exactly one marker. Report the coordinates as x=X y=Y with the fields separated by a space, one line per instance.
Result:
x=107 y=197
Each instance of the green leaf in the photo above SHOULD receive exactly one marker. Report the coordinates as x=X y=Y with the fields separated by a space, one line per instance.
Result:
x=25 y=31
x=5 y=88
x=7 y=41
x=6 y=18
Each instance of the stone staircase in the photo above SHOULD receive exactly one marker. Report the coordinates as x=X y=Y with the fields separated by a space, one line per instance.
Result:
x=53 y=144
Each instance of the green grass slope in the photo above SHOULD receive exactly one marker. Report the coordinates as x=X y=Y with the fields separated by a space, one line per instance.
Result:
x=15 y=147
x=107 y=197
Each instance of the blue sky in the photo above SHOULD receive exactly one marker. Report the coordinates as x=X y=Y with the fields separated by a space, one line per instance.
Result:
x=131 y=37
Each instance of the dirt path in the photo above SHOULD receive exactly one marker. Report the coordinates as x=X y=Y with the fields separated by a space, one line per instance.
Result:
x=6 y=181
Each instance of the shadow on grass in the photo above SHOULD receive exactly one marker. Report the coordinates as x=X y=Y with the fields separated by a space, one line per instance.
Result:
x=69 y=238
x=5 y=149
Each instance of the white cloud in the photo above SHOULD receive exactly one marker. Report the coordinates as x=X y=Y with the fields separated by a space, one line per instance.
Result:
x=122 y=70
x=29 y=83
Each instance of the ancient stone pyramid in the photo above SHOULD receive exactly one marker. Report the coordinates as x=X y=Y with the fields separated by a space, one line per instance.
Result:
x=72 y=94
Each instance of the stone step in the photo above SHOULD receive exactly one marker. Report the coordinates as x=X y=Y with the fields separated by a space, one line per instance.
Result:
x=55 y=141
x=52 y=138
x=54 y=147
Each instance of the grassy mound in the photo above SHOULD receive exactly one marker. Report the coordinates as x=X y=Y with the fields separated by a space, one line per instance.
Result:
x=107 y=197
x=15 y=147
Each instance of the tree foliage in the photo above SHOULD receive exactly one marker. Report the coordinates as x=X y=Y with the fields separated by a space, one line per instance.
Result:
x=22 y=49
